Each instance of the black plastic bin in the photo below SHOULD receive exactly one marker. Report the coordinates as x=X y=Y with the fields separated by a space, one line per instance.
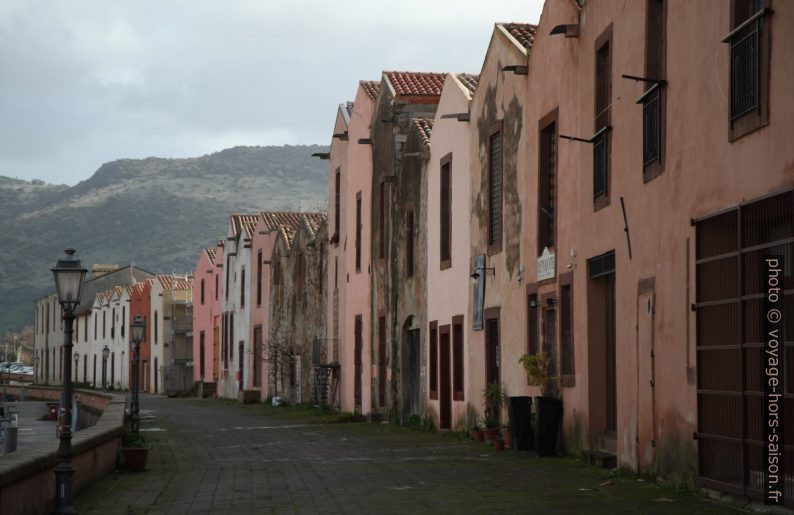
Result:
x=549 y=415
x=519 y=412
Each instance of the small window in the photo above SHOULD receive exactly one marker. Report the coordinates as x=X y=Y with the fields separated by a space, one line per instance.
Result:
x=495 y=192
x=382 y=361
x=652 y=99
x=547 y=187
x=409 y=244
x=242 y=287
x=532 y=323
x=104 y=323
x=749 y=66
x=433 y=366
x=216 y=286
x=358 y=232
x=337 y=204
x=382 y=222
x=259 y=278
x=156 y=325
x=566 y=333
x=445 y=215
x=202 y=292
x=603 y=105
x=123 y=319
x=336 y=271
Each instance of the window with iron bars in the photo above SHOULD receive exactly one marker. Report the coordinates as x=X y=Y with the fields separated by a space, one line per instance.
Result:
x=603 y=104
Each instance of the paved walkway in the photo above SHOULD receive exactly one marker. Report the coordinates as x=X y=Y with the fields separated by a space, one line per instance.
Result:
x=212 y=456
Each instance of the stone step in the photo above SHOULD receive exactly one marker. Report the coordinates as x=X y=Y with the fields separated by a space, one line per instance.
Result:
x=601 y=459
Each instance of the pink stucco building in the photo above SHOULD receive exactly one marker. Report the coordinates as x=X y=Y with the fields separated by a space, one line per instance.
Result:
x=206 y=316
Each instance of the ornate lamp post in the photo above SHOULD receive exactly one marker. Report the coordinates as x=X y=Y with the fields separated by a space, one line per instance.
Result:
x=69 y=278
x=105 y=356
x=137 y=329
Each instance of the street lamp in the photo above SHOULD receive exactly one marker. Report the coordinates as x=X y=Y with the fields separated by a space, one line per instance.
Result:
x=137 y=329
x=105 y=356
x=69 y=276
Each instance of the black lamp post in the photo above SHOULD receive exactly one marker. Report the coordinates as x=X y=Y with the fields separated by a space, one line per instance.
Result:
x=105 y=356
x=137 y=329
x=69 y=278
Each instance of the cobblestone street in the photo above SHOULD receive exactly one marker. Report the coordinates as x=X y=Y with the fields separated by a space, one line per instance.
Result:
x=213 y=456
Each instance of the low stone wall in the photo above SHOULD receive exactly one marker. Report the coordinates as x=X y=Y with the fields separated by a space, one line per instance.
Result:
x=27 y=479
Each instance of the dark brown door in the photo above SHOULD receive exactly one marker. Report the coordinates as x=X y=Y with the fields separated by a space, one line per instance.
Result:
x=445 y=393
x=492 y=355
x=611 y=368
x=258 y=356
x=240 y=366
x=358 y=363
x=550 y=337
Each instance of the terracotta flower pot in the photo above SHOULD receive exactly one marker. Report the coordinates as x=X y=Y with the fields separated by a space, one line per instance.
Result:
x=498 y=445
x=476 y=435
x=135 y=458
x=506 y=438
x=490 y=434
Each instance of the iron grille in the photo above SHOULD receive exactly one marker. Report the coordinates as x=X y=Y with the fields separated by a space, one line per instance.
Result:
x=602 y=265
x=745 y=74
x=730 y=349
x=495 y=189
x=651 y=126
x=600 y=164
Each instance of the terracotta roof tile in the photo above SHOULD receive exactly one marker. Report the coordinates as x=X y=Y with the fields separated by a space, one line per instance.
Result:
x=523 y=32
x=469 y=81
x=424 y=126
x=370 y=87
x=312 y=222
x=275 y=219
x=245 y=223
x=210 y=254
x=416 y=83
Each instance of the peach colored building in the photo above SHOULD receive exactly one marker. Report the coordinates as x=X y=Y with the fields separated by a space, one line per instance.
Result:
x=206 y=317
x=498 y=175
x=448 y=269
x=140 y=304
x=354 y=269
x=262 y=243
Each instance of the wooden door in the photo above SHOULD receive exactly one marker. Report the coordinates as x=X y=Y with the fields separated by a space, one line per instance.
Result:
x=358 y=337
x=611 y=354
x=216 y=357
x=445 y=393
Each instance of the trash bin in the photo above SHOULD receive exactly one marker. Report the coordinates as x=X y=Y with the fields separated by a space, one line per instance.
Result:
x=519 y=412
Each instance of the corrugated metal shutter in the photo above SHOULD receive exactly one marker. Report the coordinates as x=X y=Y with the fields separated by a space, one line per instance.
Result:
x=495 y=189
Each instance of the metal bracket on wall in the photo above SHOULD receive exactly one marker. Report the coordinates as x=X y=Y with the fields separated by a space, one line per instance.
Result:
x=592 y=140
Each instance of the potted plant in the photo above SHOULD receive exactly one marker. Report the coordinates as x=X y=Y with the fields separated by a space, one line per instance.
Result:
x=494 y=398
x=136 y=452
x=506 y=437
x=548 y=407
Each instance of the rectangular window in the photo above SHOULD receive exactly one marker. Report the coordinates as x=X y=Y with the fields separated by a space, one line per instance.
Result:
x=336 y=271
x=547 y=187
x=337 y=204
x=242 y=287
x=409 y=243
x=95 y=326
x=113 y=324
x=156 y=326
x=231 y=336
x=382 y=361
x=216 y=286
x=566 y=333
x=603 y=104
x=495 y=192
x=224 y=335
x=85 y=329
x=433 y=365
x=227 y=274
x=749 y=65
x=445 y=215
x=358 y=232
x=651 y=100
x=382 y=222
x=104 y=323
x=532 y=323
x=202 y=292
x=457 y=358
x=259 y=278
x=201 y=354
x=123 y=319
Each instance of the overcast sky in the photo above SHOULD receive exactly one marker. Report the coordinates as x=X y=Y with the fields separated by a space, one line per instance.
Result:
x=83 y=82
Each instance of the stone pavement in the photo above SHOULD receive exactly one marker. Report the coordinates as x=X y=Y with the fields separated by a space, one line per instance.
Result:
x=213 y=456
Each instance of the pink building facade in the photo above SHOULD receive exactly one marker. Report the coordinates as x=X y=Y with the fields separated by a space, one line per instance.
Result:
x=206 y=316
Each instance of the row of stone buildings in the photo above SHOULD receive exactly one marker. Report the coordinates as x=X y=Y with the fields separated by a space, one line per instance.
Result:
x=112 y=296
x=604 y=190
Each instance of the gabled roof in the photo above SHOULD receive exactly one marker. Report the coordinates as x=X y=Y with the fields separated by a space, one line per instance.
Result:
x=210 y=254
x=522 y=33
x=175 y=282
x=273 y=220
x=469 y=81
x=312 y=222
x=370 y=87
x=241 y=223
x=127 y=275
x=424 y=127
x=415 y=83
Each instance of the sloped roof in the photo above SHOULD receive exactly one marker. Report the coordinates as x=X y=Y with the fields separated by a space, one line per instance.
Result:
x=245 y=223
x=210 y=254
x=273 y=220
x=126 y=275
x=524 y=33
x=424 y=126
x=469 y=81
x=370 y=87
x=312 y=222
x=416 y=83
